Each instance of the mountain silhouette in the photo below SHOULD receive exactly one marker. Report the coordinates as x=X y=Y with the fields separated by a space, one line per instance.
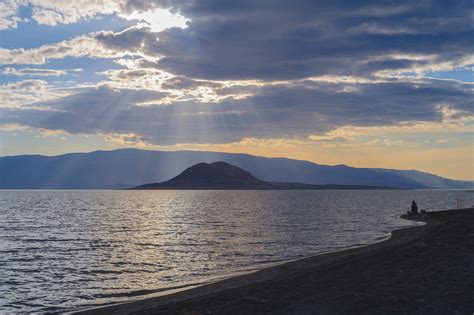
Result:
x=123 y=168
x=222 y=175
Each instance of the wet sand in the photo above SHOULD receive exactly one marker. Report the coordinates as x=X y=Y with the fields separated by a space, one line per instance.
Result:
x=427 y=269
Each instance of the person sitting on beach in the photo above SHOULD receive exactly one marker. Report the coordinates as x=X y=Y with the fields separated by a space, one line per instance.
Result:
x=414 y=207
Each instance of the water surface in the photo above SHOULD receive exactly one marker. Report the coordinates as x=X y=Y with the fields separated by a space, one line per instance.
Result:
x=68 y=249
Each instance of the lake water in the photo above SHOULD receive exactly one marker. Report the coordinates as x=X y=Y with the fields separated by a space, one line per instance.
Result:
x=62 y=250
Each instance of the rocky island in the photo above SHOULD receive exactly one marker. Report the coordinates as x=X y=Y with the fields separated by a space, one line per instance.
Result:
x=224 y=176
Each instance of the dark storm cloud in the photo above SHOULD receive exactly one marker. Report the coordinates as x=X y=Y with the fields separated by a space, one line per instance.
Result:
x=285 y=110
x=293 y=39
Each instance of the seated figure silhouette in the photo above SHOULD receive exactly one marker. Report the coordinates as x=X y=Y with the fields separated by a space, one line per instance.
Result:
x=414 y=208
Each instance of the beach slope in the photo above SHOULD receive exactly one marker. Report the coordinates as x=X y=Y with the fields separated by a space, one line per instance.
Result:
x=427 y=269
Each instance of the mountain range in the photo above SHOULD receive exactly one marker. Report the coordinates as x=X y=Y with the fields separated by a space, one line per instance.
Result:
x=126 y=168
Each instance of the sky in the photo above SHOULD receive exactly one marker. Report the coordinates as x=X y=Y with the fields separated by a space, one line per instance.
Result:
x=362 y=83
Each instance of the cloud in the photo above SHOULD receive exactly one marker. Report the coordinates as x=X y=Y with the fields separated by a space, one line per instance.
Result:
x=26 y=95
x=287 y=40
x=77 y=47
x=298 y=110
x=298 y=39
x=38 y=71
x=51 y=12
x=8 y=14
x=104 y=44
x=158 y=19
x=219 y=72
x=48 y=17
x=14 y=128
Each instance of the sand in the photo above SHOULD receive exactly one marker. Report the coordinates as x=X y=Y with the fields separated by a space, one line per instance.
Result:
x=427 y=269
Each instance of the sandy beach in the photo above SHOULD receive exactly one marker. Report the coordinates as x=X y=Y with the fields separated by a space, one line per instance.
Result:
x=427 y=269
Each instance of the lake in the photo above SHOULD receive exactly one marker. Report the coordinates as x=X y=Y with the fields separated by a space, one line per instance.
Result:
x=62 y=250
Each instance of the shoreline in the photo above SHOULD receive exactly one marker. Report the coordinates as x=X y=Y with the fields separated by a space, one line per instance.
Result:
x=133 y=296
x=340 y=281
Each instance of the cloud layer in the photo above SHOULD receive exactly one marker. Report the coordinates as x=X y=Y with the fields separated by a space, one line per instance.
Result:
x=296 y=39
x=283 y=110
x=216 y=72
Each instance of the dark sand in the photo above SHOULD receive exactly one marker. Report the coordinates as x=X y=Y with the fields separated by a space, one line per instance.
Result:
x=424 y=270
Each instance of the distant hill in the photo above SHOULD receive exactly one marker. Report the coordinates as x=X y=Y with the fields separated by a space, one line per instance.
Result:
x=130 y=167
x=222 y=175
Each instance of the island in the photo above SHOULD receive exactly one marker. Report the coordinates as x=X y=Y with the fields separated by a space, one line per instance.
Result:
x=224 y=176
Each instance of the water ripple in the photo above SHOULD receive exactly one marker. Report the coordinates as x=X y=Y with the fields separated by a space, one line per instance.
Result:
x=60 y=250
